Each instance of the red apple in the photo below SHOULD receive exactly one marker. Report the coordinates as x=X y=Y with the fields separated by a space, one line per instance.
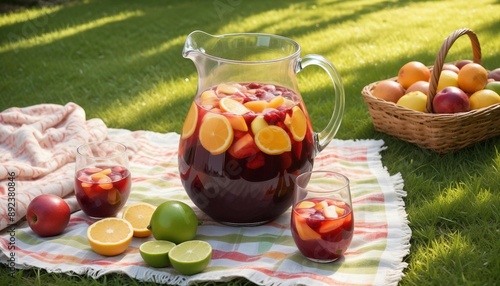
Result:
x=494 y=74
x=462 y=63
x=48 y=215
x=451 y=100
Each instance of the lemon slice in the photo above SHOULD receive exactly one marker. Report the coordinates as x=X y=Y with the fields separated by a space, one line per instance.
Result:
x=139 y=215
x=273 y=140
x=298 y=125
x=191 y=257
x=228 y=104
x=216 y=133
x=110 y=236
x=155 y=252
x=190 y=122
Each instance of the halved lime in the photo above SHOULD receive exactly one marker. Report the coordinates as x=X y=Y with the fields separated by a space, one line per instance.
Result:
x=191 y=257
x=155 y=253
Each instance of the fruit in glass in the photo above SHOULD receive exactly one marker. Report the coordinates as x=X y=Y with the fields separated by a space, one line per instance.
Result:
x=101 y=191
x=241 y=147
x=322 y=228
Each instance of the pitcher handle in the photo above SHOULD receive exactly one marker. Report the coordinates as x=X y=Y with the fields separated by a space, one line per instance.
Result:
x=323 y=138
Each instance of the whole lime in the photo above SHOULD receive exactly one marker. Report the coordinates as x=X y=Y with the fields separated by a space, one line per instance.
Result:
x=174 y=221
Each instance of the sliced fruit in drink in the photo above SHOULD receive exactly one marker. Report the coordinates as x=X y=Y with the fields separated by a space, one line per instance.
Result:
x=305 y=232
x=305 y=204
x=228 y=104
x=155 y=252
x=243 y=147
x=298 y=124
x=330 y=225
x=139 y=215
x=256 y=106
x=273 y=140
x=258 y=123
x=216 y=133
x=276 y=102
x=191 y=257
x=226 y=89
x=190 y=123
x=237 y=122
x=110 y=236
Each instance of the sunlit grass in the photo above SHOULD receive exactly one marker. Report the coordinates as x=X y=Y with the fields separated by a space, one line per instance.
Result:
x=121 y=61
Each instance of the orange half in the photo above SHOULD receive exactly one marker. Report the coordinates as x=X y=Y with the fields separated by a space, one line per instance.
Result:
x=110 y=236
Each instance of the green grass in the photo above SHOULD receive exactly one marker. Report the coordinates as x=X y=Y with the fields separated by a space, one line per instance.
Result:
x=121 y=61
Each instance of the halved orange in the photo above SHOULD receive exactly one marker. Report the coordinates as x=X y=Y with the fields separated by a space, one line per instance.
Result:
x=273 y=140
x=110 y=236
x=139 y=215
x=298 y=124
x=216 y=133
x=190 y=123
x=228 y=104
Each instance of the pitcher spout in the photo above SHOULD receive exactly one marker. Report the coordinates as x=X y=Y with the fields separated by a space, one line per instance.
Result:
x=195 y=42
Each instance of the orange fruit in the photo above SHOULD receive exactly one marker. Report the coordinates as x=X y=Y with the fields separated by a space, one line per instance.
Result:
x=216 y=133
x=412 y=72
x=388 y=90
x=228 y=104
x=110 y=236
x=298 y=124
x=273 y=140
x=237 y=122
x=139 y=216
x=472 y=77
x=190 y=122
x=422 y=86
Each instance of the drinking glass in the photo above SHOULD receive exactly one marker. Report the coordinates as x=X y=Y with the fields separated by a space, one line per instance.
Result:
x=102 y=178
x=322 y=221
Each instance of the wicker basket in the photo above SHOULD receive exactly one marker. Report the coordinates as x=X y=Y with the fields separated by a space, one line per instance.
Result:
x=442 y=133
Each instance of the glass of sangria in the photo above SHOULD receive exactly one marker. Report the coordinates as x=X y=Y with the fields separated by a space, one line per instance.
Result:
x=322 y=221
x=102 y=178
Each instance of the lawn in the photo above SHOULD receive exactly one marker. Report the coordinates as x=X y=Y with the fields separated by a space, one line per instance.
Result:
x=121 y=61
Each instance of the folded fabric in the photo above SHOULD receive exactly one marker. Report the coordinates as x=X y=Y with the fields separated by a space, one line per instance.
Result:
x=264 y=254
x=40 y=142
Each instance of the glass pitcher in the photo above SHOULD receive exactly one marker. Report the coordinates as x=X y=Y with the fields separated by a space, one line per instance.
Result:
x=247 y=134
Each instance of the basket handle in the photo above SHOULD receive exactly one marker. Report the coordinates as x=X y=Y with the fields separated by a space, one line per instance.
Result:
x=443 y=51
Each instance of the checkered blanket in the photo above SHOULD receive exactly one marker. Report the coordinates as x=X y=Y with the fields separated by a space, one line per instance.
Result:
x=37 y=147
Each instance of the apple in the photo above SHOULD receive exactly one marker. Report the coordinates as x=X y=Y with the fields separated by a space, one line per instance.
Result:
x=451 y=100
x=48 y=215
x=462 y=63
x=451 y=67
x=494 y=85
x=494 y=74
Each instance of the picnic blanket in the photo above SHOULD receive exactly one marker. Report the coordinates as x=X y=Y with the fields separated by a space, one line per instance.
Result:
x=37 y=147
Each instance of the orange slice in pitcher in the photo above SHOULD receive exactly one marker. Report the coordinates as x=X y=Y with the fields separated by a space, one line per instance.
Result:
x=190 y=123
x=298 y=124
x=228 y=104
x=273 y=140
x=256 y=106
x=216 y=133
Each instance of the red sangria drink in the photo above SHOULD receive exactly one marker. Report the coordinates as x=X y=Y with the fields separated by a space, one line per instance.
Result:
x=102 y=178
x=322 y=222
x=241 y=148
x=101 y=191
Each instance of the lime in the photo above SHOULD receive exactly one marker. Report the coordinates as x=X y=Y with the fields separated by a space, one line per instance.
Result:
x=174 y=221
x=155 y=253
x=191 y=257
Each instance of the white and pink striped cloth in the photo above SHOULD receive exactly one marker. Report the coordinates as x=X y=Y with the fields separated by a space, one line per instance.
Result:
x=38 y=144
